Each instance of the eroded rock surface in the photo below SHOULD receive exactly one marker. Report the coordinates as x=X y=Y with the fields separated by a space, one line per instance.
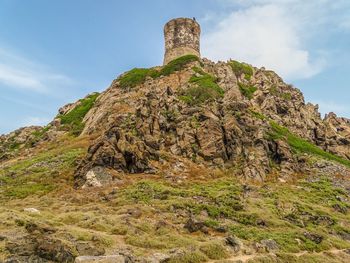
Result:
x=138 y=124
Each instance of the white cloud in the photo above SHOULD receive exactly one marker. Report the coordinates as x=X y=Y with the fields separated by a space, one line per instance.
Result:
x=263 y=35
x=17 y=72
x=36 y=121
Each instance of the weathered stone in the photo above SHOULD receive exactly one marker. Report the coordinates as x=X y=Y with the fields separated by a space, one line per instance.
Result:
x=235 y=243
x=101 y=259
x=192 y=225
x=87 y=249
x=313 y=237
x=97 y=177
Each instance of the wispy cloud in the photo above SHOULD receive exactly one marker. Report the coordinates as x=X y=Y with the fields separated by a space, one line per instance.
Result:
x=18 y=72
x=272 y=33
x=35 y=121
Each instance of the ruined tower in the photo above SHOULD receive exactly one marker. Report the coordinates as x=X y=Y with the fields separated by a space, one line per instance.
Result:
x=182 y=37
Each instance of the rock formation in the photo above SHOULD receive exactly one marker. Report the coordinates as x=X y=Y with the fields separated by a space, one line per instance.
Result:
x=231 y=130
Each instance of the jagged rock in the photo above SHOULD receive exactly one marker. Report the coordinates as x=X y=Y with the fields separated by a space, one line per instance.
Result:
x=193 y=225
x=97 y=177
x=267 y=245
x=138 y=124
x=54 y=249
x=337 y=135
x=16 y=140
x=87 y=249
x=313 y=237
x=235 y=243
x=158 y=258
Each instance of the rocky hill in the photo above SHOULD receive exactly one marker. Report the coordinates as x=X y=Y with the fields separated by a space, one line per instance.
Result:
x=194 y=161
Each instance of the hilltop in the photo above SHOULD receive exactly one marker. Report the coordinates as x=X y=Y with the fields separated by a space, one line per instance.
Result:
x=194 y=161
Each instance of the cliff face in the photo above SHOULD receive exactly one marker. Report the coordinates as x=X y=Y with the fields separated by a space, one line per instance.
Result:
x=227 y=115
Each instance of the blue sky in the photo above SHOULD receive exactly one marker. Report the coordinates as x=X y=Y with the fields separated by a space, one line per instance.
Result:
x=55 y=52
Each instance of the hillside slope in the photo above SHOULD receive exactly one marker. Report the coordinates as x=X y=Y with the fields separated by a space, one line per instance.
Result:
x=194 y=161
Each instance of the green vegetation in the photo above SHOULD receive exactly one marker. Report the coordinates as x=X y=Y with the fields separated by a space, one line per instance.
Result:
x=38 y=135
x=138 y=76
x=177 y=64
x=267 y=215
x=286 y=96
x=204 y=88
x=241 y=68
x=258 y=115
x=37 y=175
x=301 y=145
x=222 y=198
x=279 y=92
x=214 y=251
x=247 y=90
x=189 y=257
x=282 y=212
x=73 y=120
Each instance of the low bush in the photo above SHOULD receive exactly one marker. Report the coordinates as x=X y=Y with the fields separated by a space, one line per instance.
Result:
x=301 y=145
x=138 y=76
x=241 y=68
x=247 y=90
x=204 y=89
x=73 y=120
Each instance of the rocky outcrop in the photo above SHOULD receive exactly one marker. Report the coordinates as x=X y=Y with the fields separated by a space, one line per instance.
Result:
x=38 y=245
x=140 y=123
x=16 y=140
x=337 y=135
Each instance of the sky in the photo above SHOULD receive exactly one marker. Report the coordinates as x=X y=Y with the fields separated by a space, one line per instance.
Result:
x=56 y=52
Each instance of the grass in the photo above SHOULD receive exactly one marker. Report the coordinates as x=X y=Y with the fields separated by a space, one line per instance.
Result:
x=138 y=76
x=38 y=135
x=301 y=145
x=280 y=93
x=204 y=89
x=89 y=218
x=221 y=198
x=73 y=120
x=309 y=202
x=38 y=175
x=258 y=115
x=22 y=191
x=177 y=64
x=241 y=68
x=189 y=257
x=247 y=90
x=214 y=250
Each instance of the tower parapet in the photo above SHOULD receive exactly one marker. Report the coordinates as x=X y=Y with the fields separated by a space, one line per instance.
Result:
x=182 y=37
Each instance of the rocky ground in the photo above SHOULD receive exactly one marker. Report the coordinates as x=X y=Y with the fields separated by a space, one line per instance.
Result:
x=191 y=162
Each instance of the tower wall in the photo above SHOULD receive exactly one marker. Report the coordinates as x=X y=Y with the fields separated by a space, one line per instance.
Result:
x=182 y=37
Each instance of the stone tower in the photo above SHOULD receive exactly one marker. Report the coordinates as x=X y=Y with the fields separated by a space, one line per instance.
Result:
x=182 y=37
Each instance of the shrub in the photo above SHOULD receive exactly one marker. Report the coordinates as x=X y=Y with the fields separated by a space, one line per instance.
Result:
x=241 y=68
x=214 y=251
x=136 y=77
x=189 y=257
x=73 y=120
x=22 y=191
x=258 y=115
x=247 y=90
x=301 y=145
x=204 y=88
x=177 y=64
